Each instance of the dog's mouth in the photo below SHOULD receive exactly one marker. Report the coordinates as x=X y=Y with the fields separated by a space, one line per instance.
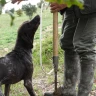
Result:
x=35 y=21
x=38 y=24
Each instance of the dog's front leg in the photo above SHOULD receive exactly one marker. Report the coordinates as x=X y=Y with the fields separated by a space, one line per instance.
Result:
x=7 y=89
x=29 y=87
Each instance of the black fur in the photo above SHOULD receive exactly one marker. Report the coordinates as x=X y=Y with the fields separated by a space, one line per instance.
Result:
x=17 y=65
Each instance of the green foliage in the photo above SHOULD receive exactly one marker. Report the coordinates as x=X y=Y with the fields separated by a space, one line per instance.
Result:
x=19 y=12
x=47 y=51
x=69 y=2
x=12 y=17
x=29 y=10
x=2 y=2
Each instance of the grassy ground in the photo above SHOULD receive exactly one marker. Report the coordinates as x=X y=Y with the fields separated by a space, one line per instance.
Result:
x=42 y=81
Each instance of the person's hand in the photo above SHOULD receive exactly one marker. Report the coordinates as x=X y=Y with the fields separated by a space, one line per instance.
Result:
x=14 y=1
x=57 y=7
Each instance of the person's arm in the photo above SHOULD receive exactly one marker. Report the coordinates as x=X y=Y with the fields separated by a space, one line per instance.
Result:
x=54 y=7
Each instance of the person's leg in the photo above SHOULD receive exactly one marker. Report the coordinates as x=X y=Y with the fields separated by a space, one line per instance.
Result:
x=71 y=73
x=71 y=59
x=85 y=42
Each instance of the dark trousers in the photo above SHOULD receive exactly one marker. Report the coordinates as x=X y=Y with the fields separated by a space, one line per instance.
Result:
x=79 y=38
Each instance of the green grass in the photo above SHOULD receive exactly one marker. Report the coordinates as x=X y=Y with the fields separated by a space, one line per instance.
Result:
x=41 y=80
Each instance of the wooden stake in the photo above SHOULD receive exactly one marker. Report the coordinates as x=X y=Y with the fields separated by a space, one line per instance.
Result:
x=55 y=34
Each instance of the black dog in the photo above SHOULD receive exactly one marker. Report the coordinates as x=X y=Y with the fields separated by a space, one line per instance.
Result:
x=17 y=65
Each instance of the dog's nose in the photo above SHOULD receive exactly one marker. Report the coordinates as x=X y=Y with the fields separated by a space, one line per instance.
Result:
x=36 y=19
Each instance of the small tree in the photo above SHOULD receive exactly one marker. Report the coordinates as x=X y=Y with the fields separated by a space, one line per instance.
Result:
x=29 y=10
x=19 y=12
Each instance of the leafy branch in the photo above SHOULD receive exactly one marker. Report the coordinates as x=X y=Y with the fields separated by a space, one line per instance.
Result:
x=69 y=3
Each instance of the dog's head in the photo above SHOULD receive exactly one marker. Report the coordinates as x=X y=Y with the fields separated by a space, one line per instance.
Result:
x=27 y=31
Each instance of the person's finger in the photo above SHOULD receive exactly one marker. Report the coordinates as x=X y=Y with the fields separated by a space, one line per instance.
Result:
x=55 y=10
x=54 y=7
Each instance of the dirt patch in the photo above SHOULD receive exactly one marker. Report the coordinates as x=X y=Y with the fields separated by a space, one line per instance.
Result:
x=43 y=86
